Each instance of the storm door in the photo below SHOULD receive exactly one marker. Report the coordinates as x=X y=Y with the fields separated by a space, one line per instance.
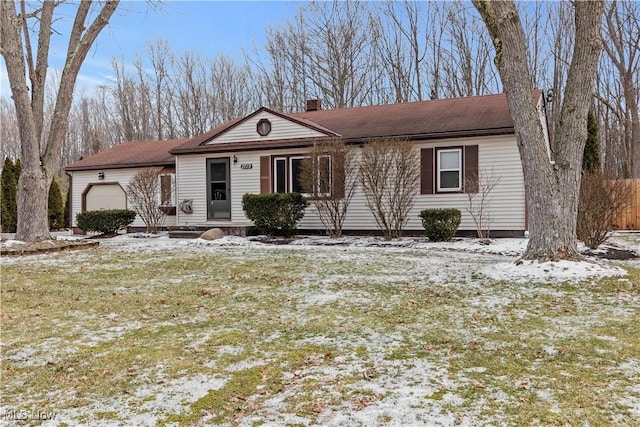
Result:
x=218 y=189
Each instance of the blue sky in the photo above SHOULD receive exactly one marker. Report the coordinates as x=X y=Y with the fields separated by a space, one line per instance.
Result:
x=207 y=27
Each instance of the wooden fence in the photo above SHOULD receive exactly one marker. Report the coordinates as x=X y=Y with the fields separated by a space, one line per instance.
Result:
x=629 y=218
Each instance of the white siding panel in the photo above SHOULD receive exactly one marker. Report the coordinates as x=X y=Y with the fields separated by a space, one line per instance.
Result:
x=497 y=155
x=191 y=177
x=82 y=179
x=280 y=129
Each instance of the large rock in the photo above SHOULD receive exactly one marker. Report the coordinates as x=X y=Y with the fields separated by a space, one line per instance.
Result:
x=212 y=234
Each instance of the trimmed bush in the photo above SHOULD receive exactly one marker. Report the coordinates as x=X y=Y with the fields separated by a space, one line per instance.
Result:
x=275 y=214
x=105 y=221
x=440 y=224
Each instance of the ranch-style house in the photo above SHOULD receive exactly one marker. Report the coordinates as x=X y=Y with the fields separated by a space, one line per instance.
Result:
x=204 y=178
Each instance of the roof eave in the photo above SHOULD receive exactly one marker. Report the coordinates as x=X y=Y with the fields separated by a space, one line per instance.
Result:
x=72 y=168
x=307 y=142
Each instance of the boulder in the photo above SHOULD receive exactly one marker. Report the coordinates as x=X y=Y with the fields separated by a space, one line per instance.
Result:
x=212 y=234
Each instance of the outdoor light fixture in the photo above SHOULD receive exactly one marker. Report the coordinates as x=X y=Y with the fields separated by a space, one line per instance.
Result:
x=100 y=176
x=235 y=159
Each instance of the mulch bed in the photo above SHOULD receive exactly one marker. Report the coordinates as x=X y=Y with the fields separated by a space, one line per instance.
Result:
x=608 y=252
x=46 y=246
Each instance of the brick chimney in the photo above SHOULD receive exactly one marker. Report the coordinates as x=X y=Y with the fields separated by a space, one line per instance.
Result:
x=313 y=105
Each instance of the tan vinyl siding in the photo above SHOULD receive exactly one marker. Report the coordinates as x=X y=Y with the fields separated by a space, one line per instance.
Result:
x=499 y=154
x=82 y=179
x=280 y=129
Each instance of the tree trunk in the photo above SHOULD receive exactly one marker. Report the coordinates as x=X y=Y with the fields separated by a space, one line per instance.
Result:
x=39 y=161
x=33 y=223
x=552 y=188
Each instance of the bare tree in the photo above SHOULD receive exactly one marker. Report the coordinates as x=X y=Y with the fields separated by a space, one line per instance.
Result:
x=193 y=95
x=324 y=53
x=602 y=201
x=389 y=174
x=27 y=67
x=551 y=188
x=9 y=134
x=401 y=47
x=230 y=90
x=330 y=175
x=622 y=45
x=609 y=107
x=478 y=200
x=466 y=54
x=562 y=39
x=144 y=191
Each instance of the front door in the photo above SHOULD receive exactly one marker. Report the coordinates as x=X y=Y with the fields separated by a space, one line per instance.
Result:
x=218 y=189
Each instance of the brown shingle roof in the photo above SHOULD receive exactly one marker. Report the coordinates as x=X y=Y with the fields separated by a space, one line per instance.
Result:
x=442 y=118
x=130 y=155
x=435 y=117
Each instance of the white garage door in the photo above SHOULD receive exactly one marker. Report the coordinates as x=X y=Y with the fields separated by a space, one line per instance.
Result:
x=107 y=196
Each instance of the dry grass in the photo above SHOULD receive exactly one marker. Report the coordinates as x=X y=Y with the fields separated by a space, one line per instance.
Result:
x=313 y=336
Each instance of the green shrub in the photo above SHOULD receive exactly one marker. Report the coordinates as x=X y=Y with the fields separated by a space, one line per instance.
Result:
x=65 y=219
x=56 y=208
x=8 y=203
x=440 y=224
x=105 y=221
x=275 y=214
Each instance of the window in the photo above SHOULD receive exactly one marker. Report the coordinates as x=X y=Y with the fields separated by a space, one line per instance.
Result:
x=287 y=170
x=280 y=175
x=166 y=190
x=295 y=168
x=448 y=169
x=325 y=179
x=264 y=127
x=449 y=175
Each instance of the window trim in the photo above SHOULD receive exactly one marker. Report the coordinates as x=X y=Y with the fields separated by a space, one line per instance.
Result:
x=263 y=132
x=316 y=191
x=290 y=172
x=172 y=199
x=459 y=169
x=288 y=161
x=274 y=181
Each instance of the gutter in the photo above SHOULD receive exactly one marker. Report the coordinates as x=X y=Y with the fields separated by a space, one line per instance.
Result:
x=308 y=142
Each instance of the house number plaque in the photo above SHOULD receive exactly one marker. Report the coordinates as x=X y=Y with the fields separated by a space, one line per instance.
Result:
x=246 y=166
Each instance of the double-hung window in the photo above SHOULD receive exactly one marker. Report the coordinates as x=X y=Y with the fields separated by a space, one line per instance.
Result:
x=448 y=169
x=449 y=175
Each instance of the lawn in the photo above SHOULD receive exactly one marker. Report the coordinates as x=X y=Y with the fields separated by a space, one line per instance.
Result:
x=179 y=332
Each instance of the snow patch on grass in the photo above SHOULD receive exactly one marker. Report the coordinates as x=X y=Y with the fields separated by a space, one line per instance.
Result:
x=550 y=272
x=153 y=401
